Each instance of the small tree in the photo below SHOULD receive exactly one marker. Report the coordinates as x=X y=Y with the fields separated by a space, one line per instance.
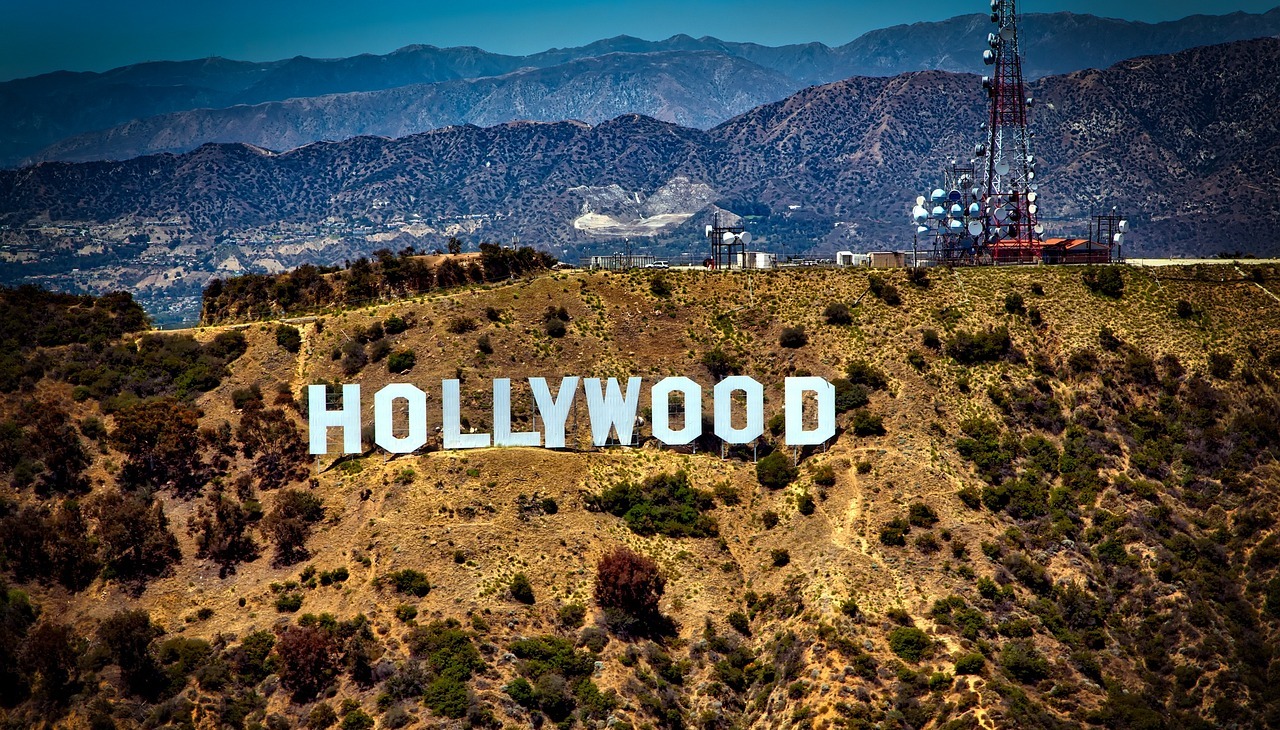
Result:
x=134 y=536
x=126 y=636
x=308 y=659
x=289 y=523
x=156 y=437
x=629 y=582
x=909 y=642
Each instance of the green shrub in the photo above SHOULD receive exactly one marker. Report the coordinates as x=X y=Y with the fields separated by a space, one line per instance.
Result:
x=1105 y=280
x=664 y=504
x=554 y=328
x=971 y=348
x=659 y=286
x=401 y=361
x=357 y=720
x=522 y=589
x=769 y=518
x=1023 y=662
x=460 y=325
x=288 y=337
x=572 y=615
x=394 y=325
x=970 y=664
x=406 y=613
x=720 y=364
x=864 y=373
x=1013 y=303
x=909 y=642
x=894 y=532
x=1221 y=364
x=929 y=338
x=866 y=423
x=775 y=471
x=409 y=582
x=780 y=558
x=824 y=476
x=738 y=620
x=793 y=337
x=805 y=504
x=920 y=514
x=289 y=602
x=837 y=313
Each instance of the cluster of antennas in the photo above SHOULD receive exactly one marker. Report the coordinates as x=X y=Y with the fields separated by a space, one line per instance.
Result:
x=728 y=237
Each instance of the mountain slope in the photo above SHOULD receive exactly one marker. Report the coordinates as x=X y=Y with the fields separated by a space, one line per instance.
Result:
x=43 y=110
x=830 y=167
x=1075 y=530
x=691 y=88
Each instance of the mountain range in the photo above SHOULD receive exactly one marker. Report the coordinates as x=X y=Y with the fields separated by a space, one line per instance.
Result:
x=177 y=106
x=1179 y=142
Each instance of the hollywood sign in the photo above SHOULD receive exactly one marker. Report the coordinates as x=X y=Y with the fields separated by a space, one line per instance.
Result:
x=609 y=407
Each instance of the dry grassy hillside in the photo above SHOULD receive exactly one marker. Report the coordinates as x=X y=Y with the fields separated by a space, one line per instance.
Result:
x=1045 y=593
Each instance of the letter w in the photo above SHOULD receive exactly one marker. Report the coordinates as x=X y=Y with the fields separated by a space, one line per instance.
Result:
x=610 y=410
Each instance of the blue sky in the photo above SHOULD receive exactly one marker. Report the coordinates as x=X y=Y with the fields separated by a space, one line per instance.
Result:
x=37 y=36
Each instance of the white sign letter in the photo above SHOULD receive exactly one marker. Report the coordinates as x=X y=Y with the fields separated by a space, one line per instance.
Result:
x=554 y=412
x=502 y=435
x=661 y=395
x=826 y=397
x=610 y=410
x=451 y=403
x=724 y=409
x=384 y=417
x=320 y=419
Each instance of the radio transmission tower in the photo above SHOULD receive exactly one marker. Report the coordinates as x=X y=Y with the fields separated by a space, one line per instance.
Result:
x=1012 y=231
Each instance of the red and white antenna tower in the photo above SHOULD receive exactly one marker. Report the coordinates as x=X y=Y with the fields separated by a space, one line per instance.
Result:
x=1011 y=226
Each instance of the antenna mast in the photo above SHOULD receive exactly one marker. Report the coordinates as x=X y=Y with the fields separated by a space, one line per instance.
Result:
x=1012 y=230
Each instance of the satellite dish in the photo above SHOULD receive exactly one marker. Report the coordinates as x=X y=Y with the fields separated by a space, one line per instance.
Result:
x=980 y=150
x=975 y=228
x=974 y=210
x=938 y=195
x=954 y=196
x=993 y=40
x=1124 y=226
x=957 y=210
x=975 y=192
x=1002 y=214
x=988 y=57
x=1031 y=197
x=995 y=6
x=1014 y=214
x=727 y=237
x=1032 y=208
x=919 y=214
x=1002 y=168
x=919 y=200
x=922 y=229
x=1030 y=101
x=939 y=212
x=1007 y=32
x=1031 y=174
x=746 y=237
x=1039 y=229
x=965 y=180
x=1118 y=238
x=956 y=225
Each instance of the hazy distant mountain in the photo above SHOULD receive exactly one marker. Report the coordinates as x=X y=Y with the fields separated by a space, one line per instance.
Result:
x=834 y=165
x=42 y=110
x=691 y=88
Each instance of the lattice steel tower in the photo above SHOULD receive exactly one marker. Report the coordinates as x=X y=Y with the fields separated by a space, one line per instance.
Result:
x=1012 y=230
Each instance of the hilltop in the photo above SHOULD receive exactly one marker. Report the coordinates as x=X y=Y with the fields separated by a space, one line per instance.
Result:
x=1049 y=504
